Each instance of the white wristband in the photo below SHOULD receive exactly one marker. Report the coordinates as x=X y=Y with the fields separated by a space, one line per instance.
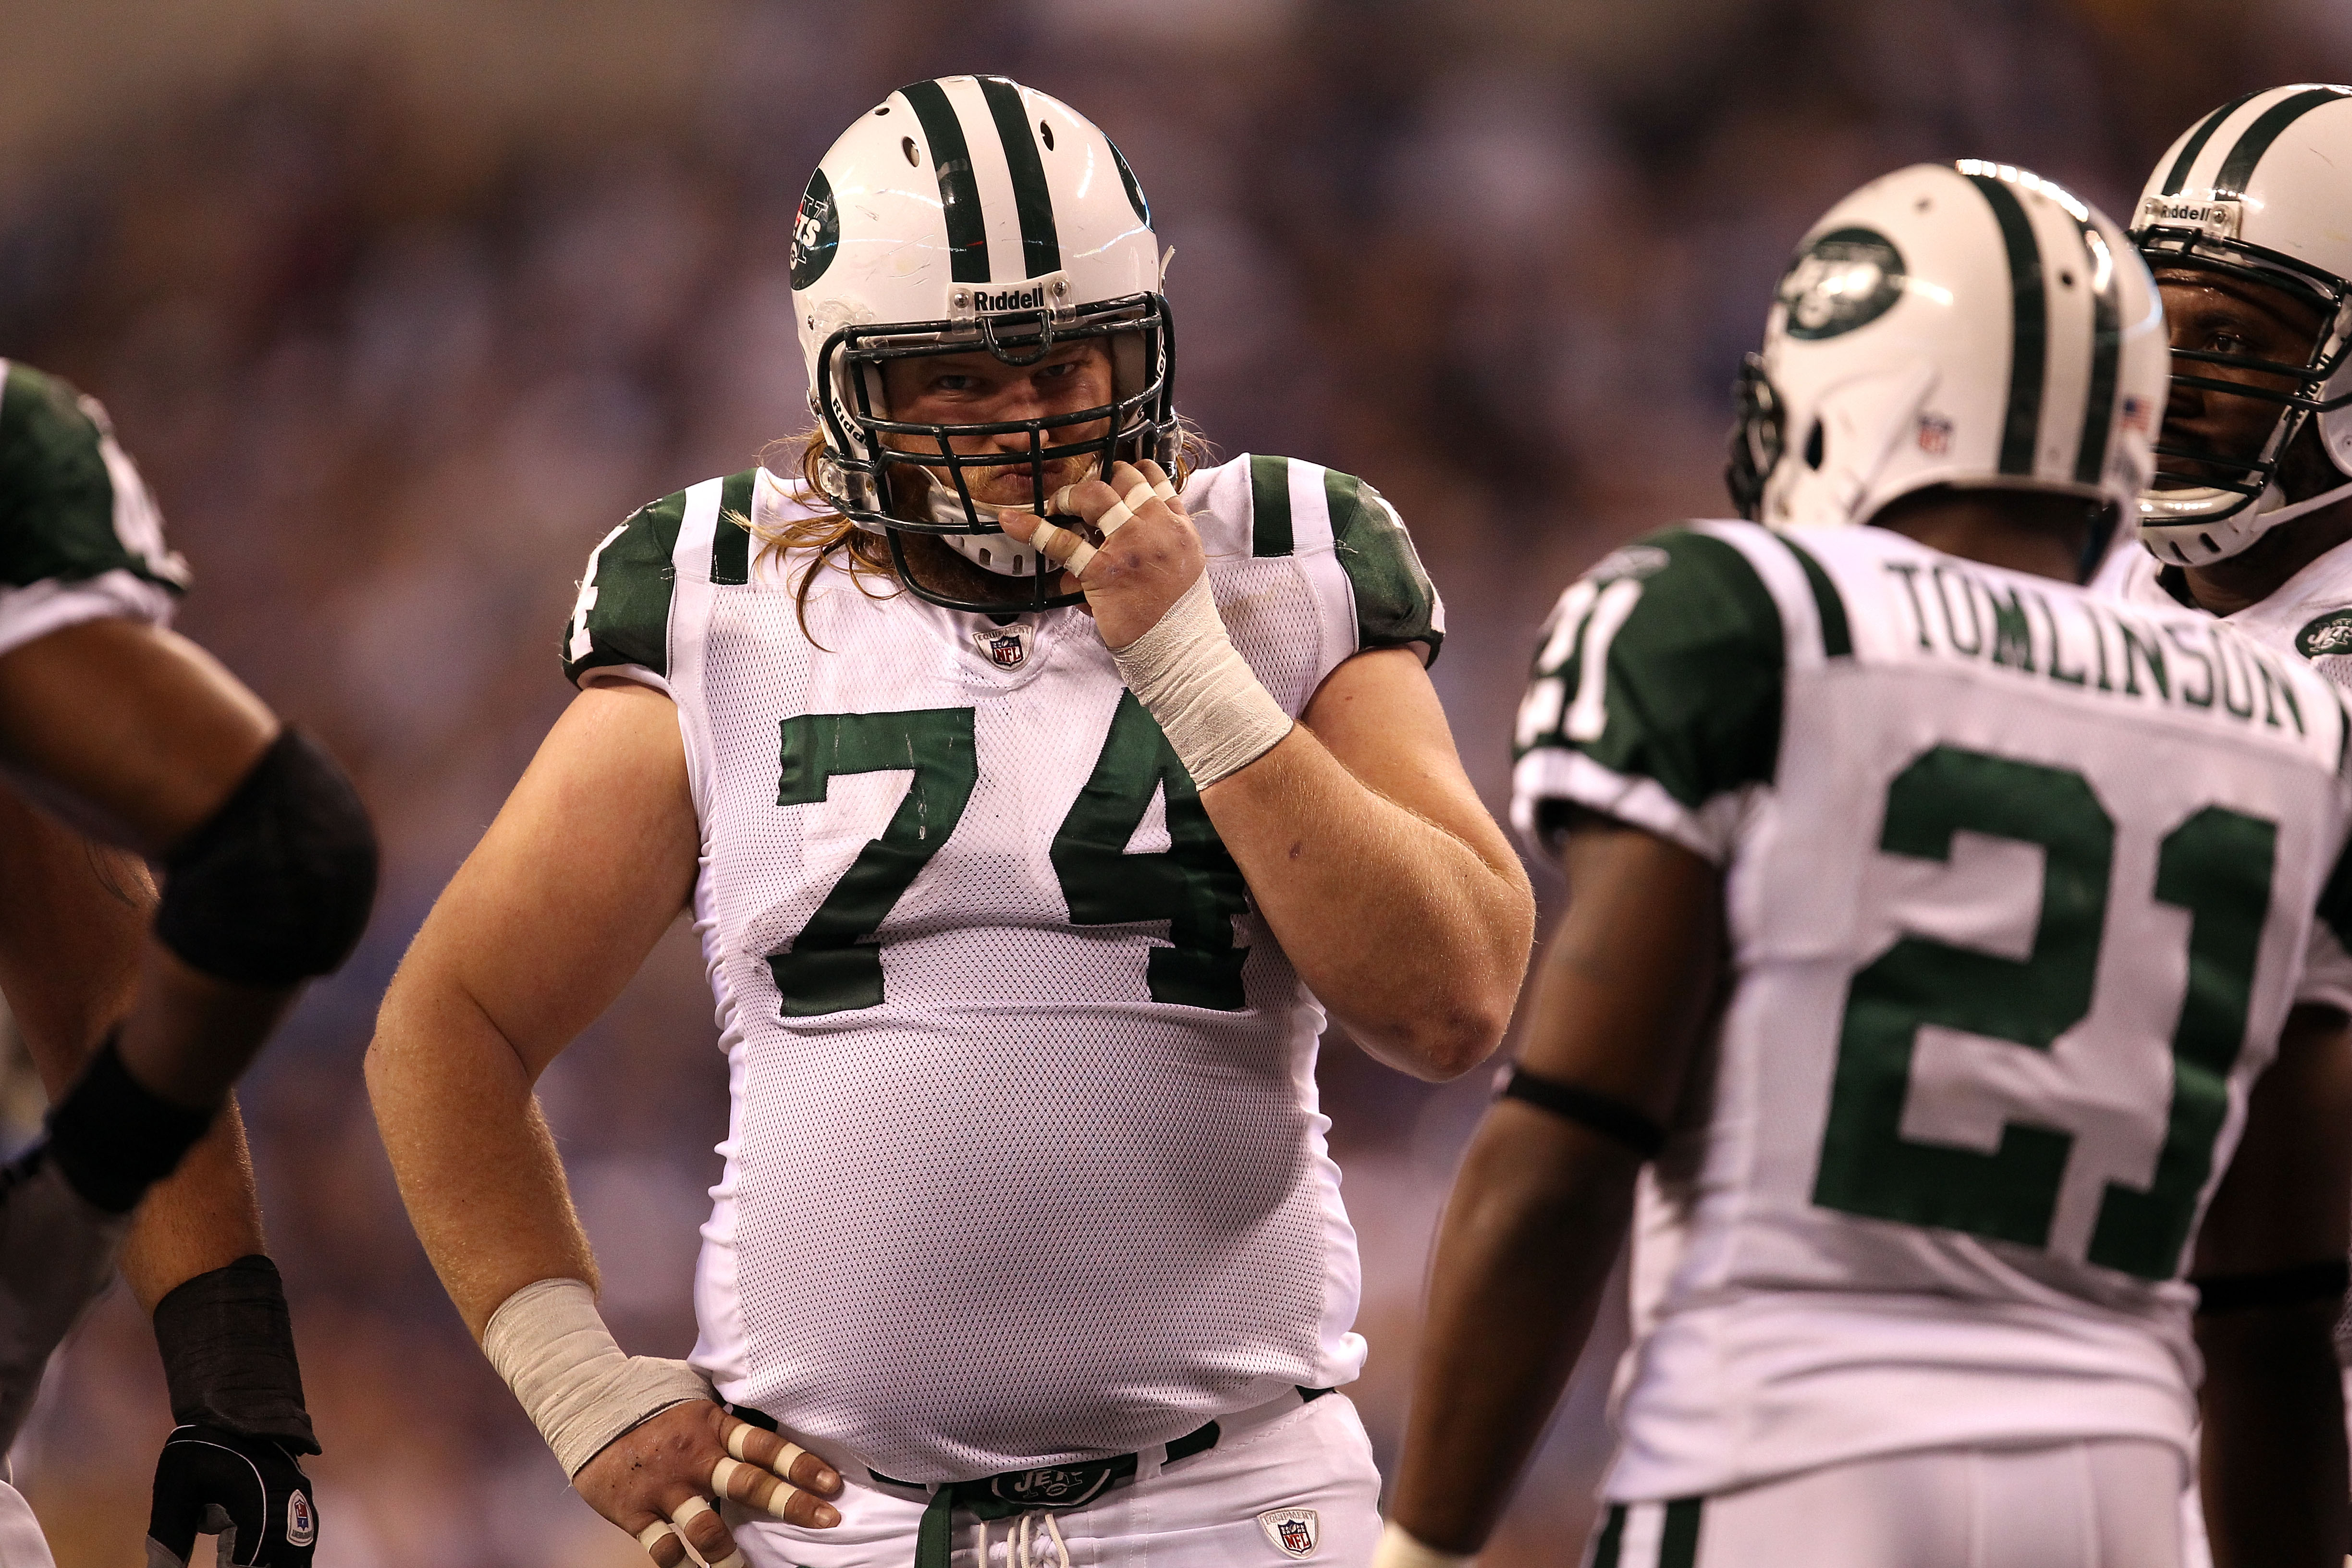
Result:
x=1399 y=1549
x=549 y=1343
x=1186 y=672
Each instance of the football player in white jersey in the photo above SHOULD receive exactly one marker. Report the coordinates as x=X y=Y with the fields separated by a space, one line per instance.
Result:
x=2247 y=224
x=139 y=1011
x=1938 y=930
x=1034 y=793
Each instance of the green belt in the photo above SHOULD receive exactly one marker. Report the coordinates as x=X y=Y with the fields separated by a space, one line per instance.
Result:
x=993 y=1498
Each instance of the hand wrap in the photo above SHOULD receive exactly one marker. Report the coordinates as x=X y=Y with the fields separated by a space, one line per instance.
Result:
x=549 y=1343
x=1187 y=673
x=228 y=1354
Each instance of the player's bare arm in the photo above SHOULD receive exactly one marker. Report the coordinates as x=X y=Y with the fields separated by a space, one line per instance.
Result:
x=70 y=936
x=587 y=865
x=1542 y=1202
x=1364 y=843
x=2269 y=1262
x=140 y=1011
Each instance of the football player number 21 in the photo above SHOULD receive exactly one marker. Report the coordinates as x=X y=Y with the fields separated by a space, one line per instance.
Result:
x=834 y=964
x=2215 y=865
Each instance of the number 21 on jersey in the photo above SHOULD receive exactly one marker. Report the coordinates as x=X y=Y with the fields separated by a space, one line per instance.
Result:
x=2216 y=864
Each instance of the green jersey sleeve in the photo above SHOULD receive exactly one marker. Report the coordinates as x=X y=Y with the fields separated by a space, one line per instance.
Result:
x=1395 y=604
x=72 y=507
x=1656 y=694
x=621 y=615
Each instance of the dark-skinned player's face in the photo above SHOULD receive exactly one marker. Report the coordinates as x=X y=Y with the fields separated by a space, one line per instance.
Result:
x=2207 y=312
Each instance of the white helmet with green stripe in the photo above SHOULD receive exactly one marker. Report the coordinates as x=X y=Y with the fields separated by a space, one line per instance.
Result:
x=1970 y=325
x=973 y=213
x=2256 y=192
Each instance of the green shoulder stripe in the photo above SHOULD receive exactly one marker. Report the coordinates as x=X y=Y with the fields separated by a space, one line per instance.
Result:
x=1270 y=532
x=1664 y=662
x=59 y=516
x=1837 y=635
x=1395 y=602
x=621 y=615
x=731 y=542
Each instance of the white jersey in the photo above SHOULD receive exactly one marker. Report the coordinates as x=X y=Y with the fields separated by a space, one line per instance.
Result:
x=1025 y=1163
x=2310 y=613
x=2019 y=886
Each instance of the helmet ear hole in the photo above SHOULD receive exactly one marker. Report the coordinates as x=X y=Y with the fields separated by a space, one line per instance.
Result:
x=1813 y=448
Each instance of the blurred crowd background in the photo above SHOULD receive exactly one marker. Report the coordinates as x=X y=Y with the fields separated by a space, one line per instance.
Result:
x=402 y=303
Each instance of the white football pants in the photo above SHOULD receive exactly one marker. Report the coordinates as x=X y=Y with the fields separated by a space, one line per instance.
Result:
x=1309 y=1469
x=22 y=1545
x=2112 y=1503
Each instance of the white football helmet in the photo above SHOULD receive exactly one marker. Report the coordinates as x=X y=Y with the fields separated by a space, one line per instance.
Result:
x=2256 y=191
x=1966 y=324
x=974 y=213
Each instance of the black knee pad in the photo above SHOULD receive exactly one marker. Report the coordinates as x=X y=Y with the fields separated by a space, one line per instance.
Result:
x=275 y=887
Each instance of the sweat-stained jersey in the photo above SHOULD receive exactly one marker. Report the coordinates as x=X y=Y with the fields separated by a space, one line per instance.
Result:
x=80 y=537
x=2019 y=885
x=1024 y=1162
x=2310 y=613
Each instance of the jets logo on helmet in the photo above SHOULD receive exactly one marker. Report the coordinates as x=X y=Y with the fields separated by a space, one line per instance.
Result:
x=2253 y=194
x=971 y=212
x=1970 y=325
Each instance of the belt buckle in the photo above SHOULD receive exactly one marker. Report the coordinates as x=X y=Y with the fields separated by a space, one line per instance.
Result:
x=1055 y=1486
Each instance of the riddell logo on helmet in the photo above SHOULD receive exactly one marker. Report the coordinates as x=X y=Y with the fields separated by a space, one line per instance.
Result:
x=2221 y=219
x=1009 y=299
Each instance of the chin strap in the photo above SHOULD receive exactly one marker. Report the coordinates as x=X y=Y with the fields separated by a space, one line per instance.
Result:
x=2313 y=503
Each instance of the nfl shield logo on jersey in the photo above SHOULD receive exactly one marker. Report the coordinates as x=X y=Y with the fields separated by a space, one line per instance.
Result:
x=1007 y=648
x=1294 y=1529
x=301 y=1524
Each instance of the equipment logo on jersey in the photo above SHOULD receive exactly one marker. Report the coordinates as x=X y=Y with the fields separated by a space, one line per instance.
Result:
x=1847 y=279
x=1635 y=561
x=2330 y=633
x=1294 y=1529
x=1007 y=648
x=816 y=233
x=301 y=1524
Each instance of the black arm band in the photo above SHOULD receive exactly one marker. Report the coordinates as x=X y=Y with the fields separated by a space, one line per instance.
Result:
x=275 y=887
x=113 y=1139
x=228 y=1354
x=2300 y=1285
x=1612 y=1118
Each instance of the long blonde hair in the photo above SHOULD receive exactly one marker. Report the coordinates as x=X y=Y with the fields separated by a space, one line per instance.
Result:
x=865 y=555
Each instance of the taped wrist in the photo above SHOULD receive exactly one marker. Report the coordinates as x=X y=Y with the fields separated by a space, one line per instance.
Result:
x=1187 y=675
x=549 y=1343
x=228 y=1354
x=275 y=888
x=1400 y=1547
x=113 y=1139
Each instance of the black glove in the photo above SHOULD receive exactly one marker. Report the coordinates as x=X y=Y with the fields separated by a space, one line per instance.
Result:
x=249 y=1491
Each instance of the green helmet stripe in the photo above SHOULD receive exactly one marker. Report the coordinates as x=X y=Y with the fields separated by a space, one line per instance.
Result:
x=1041 y=243
x=959 y=192
x=2195 y=143
x=2240 y=168
x=2029 y=314
x=2106 y=355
